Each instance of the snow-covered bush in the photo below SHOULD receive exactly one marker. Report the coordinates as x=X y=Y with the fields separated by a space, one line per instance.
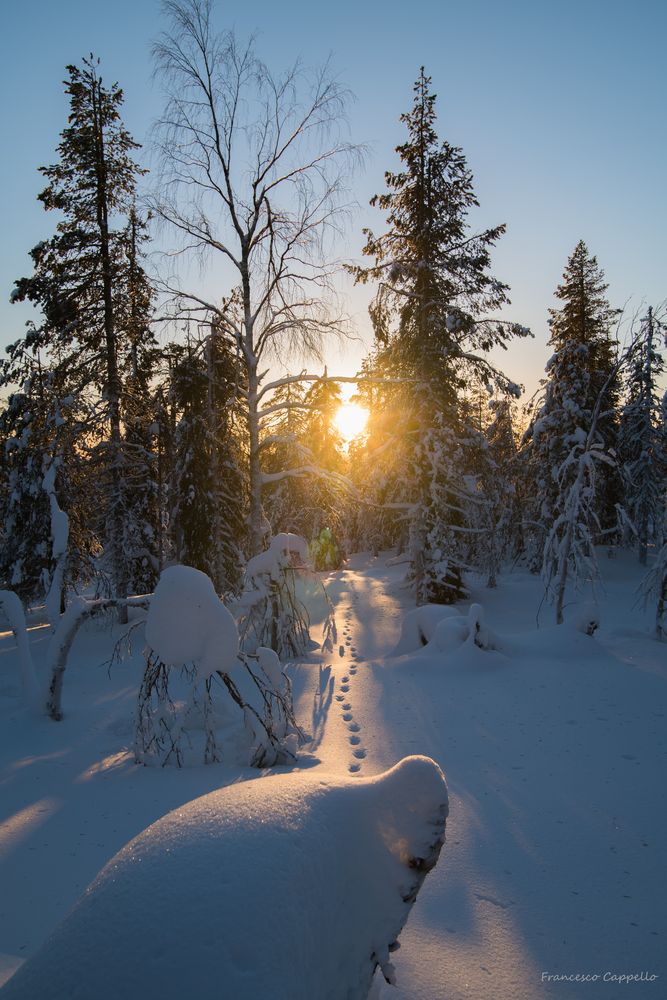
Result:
x=338 y=863
x=419 y=626
x=269 y=611
x=200 y=697
x=443 y=629
x=453 y=632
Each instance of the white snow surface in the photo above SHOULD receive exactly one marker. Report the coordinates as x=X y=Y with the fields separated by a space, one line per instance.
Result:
x=288 y=888
x=553 y=742
x=188 y=623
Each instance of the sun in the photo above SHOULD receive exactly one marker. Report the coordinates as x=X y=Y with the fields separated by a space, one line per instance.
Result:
x=350 y=420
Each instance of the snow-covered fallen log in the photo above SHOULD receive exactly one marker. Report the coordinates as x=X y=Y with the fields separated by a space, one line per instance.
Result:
x=293 y=887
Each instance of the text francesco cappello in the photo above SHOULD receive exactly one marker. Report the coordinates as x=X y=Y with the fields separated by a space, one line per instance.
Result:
x=599 y=977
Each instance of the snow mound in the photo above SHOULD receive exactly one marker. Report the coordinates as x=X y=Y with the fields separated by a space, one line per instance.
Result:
x=188 y=623
x=419 y=626
x=283 y=549
x=451 y=633
x=586 y=618
x=286 y=887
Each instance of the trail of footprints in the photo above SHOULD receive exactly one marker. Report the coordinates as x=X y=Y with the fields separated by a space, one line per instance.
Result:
x=353 y=728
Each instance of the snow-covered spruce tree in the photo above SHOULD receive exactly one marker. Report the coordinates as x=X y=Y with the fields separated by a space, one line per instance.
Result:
x=26 y=562
x=81 y=279
x=208 y=490
x=379 y=512
x=45 y=482
x=283 y=446
x=584 y=360
x=303 y=435
x=493 y=507
x=251 y=175
x=430 y=321
x=569 y=550
x=642 y=439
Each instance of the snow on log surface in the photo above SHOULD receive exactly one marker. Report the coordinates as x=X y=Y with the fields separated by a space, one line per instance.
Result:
x=289 y=887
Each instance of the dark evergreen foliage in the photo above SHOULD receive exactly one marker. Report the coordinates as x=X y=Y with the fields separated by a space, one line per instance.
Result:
x=430 y=317
x=642 y=440
x=95 y=301
x=208 y=486
x=581 y=367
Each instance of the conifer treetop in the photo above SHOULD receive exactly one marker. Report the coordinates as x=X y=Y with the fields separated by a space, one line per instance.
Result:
x=435 y=288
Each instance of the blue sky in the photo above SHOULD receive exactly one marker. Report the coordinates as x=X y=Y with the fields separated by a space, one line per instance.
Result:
x=559 y=108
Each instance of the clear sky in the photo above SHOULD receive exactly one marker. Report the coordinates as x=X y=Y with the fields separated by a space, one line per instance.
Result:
x=559 y=108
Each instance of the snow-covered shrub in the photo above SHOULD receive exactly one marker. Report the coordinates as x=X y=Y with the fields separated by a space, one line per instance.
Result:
x=443 y=629
x=454 y=631
x=200 y=697
x=450 y=634
x=419 y=626
x=269 y=611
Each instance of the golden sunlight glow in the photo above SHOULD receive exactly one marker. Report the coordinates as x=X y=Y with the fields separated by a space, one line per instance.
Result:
x=351 y=420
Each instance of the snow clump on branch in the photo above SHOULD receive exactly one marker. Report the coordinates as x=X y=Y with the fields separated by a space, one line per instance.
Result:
x=188 y=623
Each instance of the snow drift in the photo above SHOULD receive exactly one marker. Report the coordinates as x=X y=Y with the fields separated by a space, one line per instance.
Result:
x=289 y=887
x=419 y=625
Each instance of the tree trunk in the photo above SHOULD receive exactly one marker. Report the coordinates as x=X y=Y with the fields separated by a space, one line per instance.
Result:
x=113 y=387
x=255 y=470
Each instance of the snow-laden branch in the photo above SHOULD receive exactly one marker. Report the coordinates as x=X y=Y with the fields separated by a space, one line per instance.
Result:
x=61 y=643
x=303 y=377
x=309 y=470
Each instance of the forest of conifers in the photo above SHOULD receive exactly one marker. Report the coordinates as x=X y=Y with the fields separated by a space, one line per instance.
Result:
x=144 y=425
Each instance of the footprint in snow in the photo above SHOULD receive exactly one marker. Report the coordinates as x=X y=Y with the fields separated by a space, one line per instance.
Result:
x=340 y=697
x=359 y=754
x=354 y=727
x=347 y=716
x=354 y=768
x=345 y=687
x=347 y=706
x=354 y=740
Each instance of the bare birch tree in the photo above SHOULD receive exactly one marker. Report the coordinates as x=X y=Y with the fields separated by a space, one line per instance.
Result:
x=253 y=169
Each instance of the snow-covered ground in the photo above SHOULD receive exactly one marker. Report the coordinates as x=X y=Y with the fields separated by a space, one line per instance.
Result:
x=554 y=745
